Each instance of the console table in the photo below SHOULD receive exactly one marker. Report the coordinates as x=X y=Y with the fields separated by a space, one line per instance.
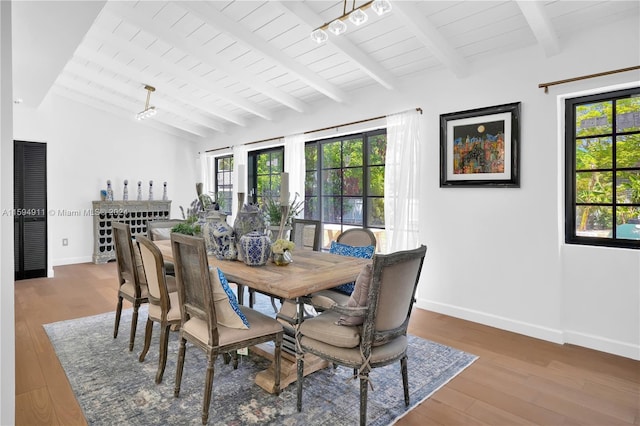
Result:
x=134 y=213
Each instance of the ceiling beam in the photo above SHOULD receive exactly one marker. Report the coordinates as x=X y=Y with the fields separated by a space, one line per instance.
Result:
x=74 y=95
x=136 y=91
x=222 y=23
x=204 y=54
x=429 y=36
x=541 y=26
x=370 y=67
x=157 y=62
x=107 y=63
x=72 y=82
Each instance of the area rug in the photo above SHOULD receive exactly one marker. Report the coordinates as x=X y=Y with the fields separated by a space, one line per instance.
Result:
x=113 y=388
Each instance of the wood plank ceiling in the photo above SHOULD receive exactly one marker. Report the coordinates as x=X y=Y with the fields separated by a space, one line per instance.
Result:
x=220 y=64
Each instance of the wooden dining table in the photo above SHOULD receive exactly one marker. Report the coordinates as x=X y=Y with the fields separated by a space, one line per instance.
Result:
x=310 y=272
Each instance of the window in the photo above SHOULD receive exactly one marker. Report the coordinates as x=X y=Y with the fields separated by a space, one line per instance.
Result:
x=344 y=182
x=223 y=183
x=265 y=168
x=602 y=181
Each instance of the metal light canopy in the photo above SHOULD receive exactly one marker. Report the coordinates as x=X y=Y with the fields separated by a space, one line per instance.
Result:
x=356 y=15
x=149 y=111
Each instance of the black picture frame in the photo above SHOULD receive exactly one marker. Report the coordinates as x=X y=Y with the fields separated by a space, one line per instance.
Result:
x=481 y=147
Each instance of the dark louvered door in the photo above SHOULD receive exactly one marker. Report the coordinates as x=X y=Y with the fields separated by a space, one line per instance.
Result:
x=30 y=209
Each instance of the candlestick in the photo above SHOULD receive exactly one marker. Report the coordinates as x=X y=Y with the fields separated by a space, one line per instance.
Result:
x=240 y=201
x=242 y=174
x=284 y=189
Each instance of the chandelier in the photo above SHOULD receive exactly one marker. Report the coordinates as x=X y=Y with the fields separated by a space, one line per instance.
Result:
x=356 y=15
x=149 y=111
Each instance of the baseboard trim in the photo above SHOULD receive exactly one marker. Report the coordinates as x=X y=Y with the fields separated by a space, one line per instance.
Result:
x=589 y=341
x=602 y=344
x=70 y=260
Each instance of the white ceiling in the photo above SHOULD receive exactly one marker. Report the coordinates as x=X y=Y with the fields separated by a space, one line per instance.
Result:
x=220 y=64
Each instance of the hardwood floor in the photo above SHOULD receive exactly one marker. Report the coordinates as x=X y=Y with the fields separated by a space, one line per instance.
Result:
x=516 y=380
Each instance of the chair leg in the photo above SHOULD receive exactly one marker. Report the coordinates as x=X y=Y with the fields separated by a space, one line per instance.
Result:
x=148 y=331
x=252 y=298
x=405 y=379
x=364 y=388
x=162 y=358
x=134 y=325
x=208 y=388
x=118 y=313
x=180 y=366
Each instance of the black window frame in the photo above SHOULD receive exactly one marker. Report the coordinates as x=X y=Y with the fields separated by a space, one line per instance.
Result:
x=571 y=172
x=225 y=188
x=366 y=196
x=252 y=173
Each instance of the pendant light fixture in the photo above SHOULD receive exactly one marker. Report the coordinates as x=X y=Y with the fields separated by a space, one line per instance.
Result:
x=149 y=111
x=356 y=15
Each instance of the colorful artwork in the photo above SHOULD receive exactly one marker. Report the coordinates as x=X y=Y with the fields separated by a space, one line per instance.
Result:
x=478 y=148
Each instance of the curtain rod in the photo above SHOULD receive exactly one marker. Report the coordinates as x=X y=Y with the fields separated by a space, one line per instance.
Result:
x=310 y=131
x=584 y=77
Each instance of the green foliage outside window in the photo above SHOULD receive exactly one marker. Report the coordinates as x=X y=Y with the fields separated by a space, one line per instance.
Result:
x=605 y=180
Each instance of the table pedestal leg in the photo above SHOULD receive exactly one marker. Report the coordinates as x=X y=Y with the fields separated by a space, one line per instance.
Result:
x=288 y=368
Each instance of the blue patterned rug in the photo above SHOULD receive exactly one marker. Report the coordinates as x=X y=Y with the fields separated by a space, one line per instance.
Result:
x=113 y=388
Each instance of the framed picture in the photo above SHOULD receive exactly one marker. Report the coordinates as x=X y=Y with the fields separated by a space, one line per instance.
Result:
x=480 y=147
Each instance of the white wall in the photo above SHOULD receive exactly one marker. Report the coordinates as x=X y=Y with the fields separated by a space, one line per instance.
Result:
x=496 y=256
x=7 y=320
x=85 y=147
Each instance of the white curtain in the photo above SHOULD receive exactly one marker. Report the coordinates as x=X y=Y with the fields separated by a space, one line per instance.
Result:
x=402 y=181
x=294 y=165
x=239 y=158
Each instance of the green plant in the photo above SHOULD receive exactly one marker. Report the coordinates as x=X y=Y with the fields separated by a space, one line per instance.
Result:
x=187 y=228
x=273 y=211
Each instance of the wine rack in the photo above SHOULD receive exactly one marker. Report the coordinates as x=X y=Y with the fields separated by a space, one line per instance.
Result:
x=134 y=213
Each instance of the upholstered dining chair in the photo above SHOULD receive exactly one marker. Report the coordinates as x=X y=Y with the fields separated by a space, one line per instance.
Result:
x=371 y=331
x=132 y=282
x=161 y=230
x=164 y=307
x=357 y=237
x=212 y=321
x=359 y=242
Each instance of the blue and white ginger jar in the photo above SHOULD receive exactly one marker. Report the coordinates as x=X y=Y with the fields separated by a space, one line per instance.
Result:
x=254 y=248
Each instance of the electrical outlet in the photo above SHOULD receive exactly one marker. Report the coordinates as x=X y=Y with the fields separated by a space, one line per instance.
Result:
x=65 y=242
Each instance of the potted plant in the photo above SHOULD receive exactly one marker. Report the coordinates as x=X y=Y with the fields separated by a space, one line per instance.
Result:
x=272 y=211
x=281 y=251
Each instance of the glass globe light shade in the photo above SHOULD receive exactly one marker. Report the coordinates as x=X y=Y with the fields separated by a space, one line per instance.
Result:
x=319 y=36
x=358 y=17
x=381 y=7
x=337 y=27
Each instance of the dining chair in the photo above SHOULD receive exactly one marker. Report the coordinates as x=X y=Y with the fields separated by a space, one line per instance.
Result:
x=371 y=330
x=358 y=242
x=305 y=233
x=357 y=237
x=161 y=230
x=164 y=307
x=202 y=315
x=132 y=281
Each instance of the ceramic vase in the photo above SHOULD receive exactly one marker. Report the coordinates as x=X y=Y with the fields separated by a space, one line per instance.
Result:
x=217 y=234
x=254 y=248
x=248 y=219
